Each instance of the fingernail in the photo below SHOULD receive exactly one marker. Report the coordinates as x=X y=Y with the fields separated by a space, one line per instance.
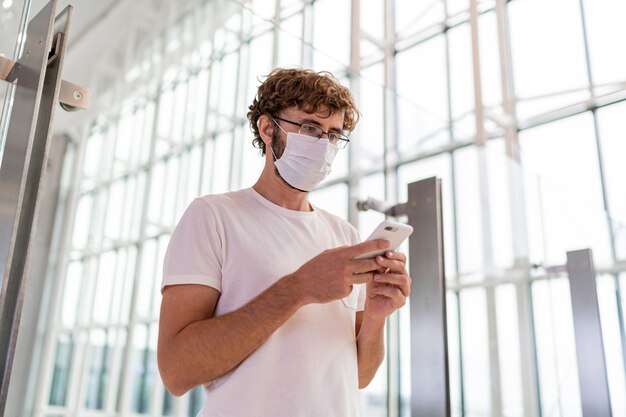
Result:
x=390 y=254
x=377 y=277
x=380 y=258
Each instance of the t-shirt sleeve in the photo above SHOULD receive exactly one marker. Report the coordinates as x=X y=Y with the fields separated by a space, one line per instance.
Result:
x=194 y=253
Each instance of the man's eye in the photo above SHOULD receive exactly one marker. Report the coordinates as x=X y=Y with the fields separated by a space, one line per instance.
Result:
x=311 y=130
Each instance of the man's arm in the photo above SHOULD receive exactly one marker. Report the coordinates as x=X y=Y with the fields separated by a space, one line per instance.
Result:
x=370 y=345
x=385 y=294
x=194 y=347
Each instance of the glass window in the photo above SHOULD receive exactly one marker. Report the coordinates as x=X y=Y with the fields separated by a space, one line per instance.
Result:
x=469 y=214
x=412 y=17
x=509 y=351
x=611 y=327
x=196 y=401
x=98 y=370
x=556 y=356
x=144 y=367
x=570 y=189
x=104 y=287
x=455 y=359
x=611 y=125
x=548 y=52
x=331 y=35
x=62 y=367
x=333 y=199
x=422 y=95
x=475 y=347
x=606 y=35
x=289 y=41
x=370 y=134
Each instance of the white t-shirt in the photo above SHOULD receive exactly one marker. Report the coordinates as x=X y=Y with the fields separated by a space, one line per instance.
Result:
x=240 y=244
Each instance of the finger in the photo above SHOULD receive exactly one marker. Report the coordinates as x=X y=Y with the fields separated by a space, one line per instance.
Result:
x=362 y=278
x=398 y=299
x=367 y=246
x=364 y=265
x=396 y=255
x=401 y=281
x=394 y=266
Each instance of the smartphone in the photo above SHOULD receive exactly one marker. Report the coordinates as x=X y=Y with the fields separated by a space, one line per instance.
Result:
x=394 y=232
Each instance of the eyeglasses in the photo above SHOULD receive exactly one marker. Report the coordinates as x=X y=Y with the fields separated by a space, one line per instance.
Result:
x=307 y=129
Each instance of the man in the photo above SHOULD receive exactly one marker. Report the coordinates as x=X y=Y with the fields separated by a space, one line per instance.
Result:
x=261 y=296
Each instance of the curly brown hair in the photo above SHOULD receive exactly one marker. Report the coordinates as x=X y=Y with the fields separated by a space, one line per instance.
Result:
x=305 y=89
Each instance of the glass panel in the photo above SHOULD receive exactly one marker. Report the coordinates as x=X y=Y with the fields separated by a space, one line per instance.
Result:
x=461 y=77
x=500 y=170
x=606 y=35
x=371 y=186
x=71 y=293
x=147 y=278
x=489 y=61
x=371 y=134
x=144 y=367
x=13 y=15
x=412 y=17
x=196 y=401
x=454 y=354
x=548 y=51
x=221 y=164
x=422 y=95
x=469 y=210
x=612 y=124
x=569 y=190
x=331 y=34
x=332 y=199
x=607 y=303
x=168 y=403
x=509 y=351
x=475 y=347
x=556 y=355
x=98 y=372
x=62 y=367
x=104 y=287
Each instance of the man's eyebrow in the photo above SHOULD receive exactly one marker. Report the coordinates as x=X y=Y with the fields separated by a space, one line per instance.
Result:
x=316 y=123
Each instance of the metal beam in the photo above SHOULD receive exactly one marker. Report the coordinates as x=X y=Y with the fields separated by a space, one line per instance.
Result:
x=430 y=387
x=22 y=167
x=592 y=376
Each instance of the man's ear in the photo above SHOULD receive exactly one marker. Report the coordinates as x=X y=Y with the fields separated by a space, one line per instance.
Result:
x=266 y=129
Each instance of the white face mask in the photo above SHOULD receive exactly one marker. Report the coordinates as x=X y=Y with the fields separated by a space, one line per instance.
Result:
x=306 y=161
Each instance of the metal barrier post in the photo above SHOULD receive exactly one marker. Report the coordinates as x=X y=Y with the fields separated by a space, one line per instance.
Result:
x=38 y=80
x=592 y=376
x=430 y=388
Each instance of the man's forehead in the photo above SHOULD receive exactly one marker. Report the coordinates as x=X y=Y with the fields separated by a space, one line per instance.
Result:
x=322 y=115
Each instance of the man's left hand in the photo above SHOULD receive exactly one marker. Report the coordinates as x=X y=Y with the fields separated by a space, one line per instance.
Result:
x=390 y=288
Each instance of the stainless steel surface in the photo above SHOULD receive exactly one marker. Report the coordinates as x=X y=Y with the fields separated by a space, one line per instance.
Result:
x=430 y=392
x=592 y=376
x=71 y=96
x=23 y=165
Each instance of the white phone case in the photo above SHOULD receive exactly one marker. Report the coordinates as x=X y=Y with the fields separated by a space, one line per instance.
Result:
x=394 y=232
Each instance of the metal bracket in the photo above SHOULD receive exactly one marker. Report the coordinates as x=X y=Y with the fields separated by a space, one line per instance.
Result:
x=384 y=207
x=72 y=97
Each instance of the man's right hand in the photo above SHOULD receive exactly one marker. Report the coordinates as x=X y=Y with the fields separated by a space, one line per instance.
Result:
x=330 y=275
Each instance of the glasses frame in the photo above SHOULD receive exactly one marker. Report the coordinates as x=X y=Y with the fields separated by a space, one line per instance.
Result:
x=341 y=139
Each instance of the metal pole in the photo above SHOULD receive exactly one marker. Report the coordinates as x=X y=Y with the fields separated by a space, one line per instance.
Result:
x=24 y=158
x=592 y=376
x=430 y=388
